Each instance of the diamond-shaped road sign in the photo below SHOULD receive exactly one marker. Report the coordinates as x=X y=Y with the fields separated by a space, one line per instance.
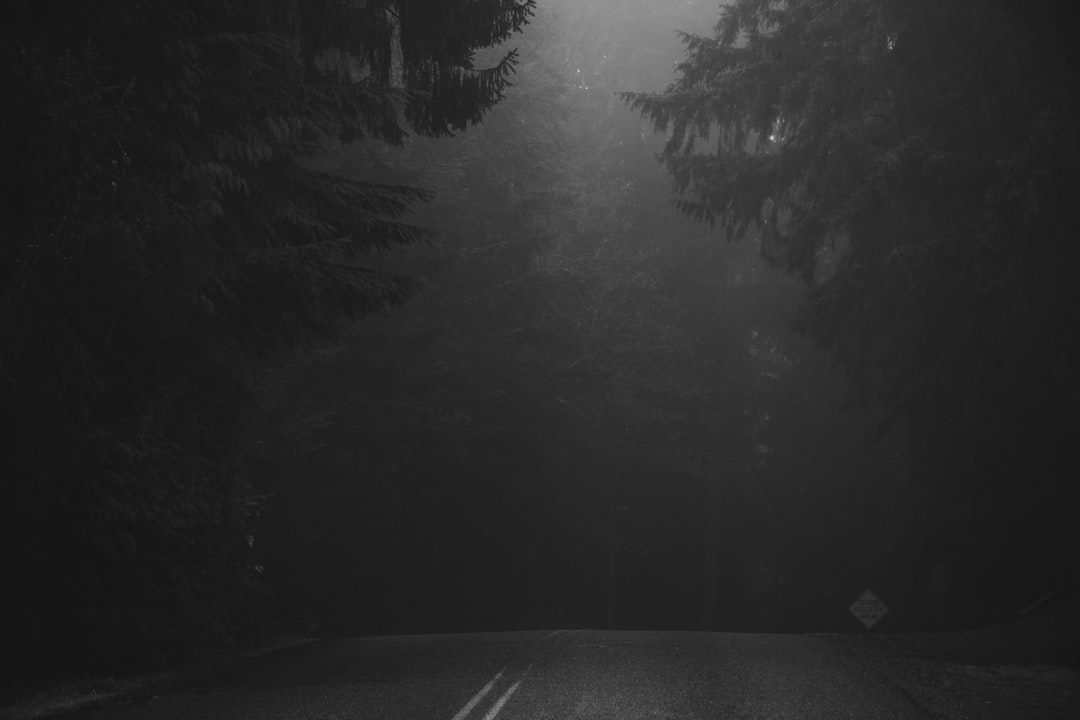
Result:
x=868 y=609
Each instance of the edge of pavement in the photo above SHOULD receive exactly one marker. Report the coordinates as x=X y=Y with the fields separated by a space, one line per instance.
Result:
x=1027 y=666
x=62 y=696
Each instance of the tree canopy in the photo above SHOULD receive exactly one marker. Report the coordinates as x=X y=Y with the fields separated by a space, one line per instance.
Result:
x=165 y=228
x=580 y=350
x=912 y=162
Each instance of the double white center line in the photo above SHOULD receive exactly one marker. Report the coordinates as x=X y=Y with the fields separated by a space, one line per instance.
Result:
x=476 y=699
x=498 y=706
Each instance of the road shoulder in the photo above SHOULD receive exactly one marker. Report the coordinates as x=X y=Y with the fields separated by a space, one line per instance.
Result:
x=62 y=696
x=1008 y=672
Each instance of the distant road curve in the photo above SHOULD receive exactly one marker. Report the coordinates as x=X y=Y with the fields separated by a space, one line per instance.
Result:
x=563 y=675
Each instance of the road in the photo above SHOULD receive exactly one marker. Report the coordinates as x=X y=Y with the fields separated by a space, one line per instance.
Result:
x=579 y=674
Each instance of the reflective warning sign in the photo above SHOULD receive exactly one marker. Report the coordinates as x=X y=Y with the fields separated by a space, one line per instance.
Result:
x=868 y=609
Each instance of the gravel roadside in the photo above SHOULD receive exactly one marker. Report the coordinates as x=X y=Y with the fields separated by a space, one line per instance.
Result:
x=64 y=696
x=1025 y=670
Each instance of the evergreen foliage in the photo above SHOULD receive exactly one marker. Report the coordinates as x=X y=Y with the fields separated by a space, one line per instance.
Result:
x=545 y=371
x=164 y=231
x=912 y=162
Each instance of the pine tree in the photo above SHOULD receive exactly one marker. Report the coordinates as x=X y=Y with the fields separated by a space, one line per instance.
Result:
x=165 y=228
x=910 y=161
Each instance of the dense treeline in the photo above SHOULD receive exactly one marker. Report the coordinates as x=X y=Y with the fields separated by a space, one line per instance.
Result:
x=463 y=452
x=914 y=163
x=595 y=412
x=164 y=231
x=591 y=398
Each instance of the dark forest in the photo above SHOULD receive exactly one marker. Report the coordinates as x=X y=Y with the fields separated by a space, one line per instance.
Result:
x=365 y=317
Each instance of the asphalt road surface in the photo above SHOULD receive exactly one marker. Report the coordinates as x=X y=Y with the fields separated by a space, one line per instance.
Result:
x=571 y=674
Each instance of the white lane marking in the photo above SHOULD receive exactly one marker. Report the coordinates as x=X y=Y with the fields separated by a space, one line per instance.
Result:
x=504 y=698
x=464 y=711
x=502 y=701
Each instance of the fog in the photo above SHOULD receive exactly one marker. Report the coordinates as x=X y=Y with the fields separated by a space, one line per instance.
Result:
x=598 y=413
x=347 y=319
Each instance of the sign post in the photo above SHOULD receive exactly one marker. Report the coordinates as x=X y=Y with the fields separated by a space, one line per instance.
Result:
x=868 y=609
